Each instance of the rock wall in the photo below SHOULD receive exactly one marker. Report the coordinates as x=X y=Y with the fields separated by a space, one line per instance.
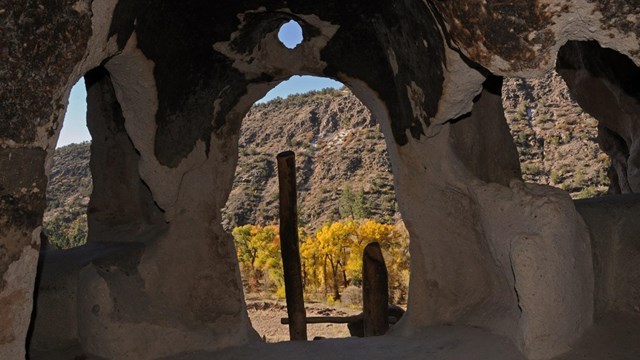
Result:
x=487 y=250
x=34 y=74
x=121 y=205
x=612 y=225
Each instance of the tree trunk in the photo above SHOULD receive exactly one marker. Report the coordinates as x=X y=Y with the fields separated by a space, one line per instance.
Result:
x=336 y=286
x=344 y=276
x=324 y=275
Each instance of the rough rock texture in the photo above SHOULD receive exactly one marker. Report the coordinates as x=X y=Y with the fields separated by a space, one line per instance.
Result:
x=612 y=224
x=523 y=38
x=525 y=228
x=38 y=64
x=338 y=144
x=22 y=202
x=121 y=205
x=552 y=277
x=185 y=73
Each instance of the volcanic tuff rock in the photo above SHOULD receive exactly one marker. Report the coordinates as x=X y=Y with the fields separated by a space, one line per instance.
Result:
x=510 y=267
x=339 y=146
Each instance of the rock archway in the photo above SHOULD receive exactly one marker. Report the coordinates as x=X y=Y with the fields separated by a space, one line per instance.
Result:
x=605 y=84
x=487 y=249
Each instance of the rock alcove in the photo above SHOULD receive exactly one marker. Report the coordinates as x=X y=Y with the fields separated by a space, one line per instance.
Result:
x=345 y=188
x=515 y=270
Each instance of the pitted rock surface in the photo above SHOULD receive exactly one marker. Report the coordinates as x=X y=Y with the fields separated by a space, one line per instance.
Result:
x=185 y=73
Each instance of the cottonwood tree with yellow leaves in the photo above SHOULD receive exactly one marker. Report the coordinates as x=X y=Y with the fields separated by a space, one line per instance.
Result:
x=330 y=248
x=258 y=249
x=331 y=258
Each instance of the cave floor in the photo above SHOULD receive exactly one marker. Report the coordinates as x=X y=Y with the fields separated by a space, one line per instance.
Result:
x=613 y=337
x=437 y=343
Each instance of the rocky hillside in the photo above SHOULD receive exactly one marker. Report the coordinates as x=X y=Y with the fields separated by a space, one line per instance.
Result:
x=556 y=140
x=68 y=192
x=342 y=163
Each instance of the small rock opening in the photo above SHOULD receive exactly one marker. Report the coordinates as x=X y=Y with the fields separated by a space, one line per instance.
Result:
x=606 y=84
x=290 y=34
x=100 y=181
x=70 y=184
x=346 y=199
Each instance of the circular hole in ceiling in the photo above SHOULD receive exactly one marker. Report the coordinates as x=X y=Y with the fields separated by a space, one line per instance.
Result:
x=290 y=34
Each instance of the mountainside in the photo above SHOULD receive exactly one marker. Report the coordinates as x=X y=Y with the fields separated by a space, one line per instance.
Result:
x=342 y=164
x=341 y=159
x=68 y=192
x=556 y=139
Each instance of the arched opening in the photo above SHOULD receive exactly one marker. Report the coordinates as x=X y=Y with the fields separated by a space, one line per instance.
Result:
x=70 y=184
x=606 y=84
x=74 y=127
x=410 y=53
x=346 y=199
x=121 y=217
x=557 y=140
x=574 y=129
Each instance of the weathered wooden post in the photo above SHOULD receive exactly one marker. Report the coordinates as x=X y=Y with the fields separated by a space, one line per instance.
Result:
x=375 y=291
x=289 y=245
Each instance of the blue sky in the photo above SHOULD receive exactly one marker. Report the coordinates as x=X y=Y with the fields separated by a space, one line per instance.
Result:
x=290 y=34
x=75 y=129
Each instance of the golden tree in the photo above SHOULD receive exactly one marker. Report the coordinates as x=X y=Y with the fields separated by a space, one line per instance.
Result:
x=332 y=244
x=331 y=259
x=258 y=249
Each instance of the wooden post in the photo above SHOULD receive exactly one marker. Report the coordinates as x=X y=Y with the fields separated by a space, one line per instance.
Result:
x=375 y=291
x=289 y=245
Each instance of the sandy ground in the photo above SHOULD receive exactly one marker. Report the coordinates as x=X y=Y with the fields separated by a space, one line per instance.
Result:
x=440 y=343
x=265 y=317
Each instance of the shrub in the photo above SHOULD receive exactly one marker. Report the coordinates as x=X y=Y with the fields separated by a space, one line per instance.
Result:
x=352 y=296
x=588 y=192
x=331 y=300
x=603 y=177
x=530 y=169
x=522 y=137
x=580 y=178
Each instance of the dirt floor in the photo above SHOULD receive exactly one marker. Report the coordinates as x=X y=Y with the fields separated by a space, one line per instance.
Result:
x=265 y=317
